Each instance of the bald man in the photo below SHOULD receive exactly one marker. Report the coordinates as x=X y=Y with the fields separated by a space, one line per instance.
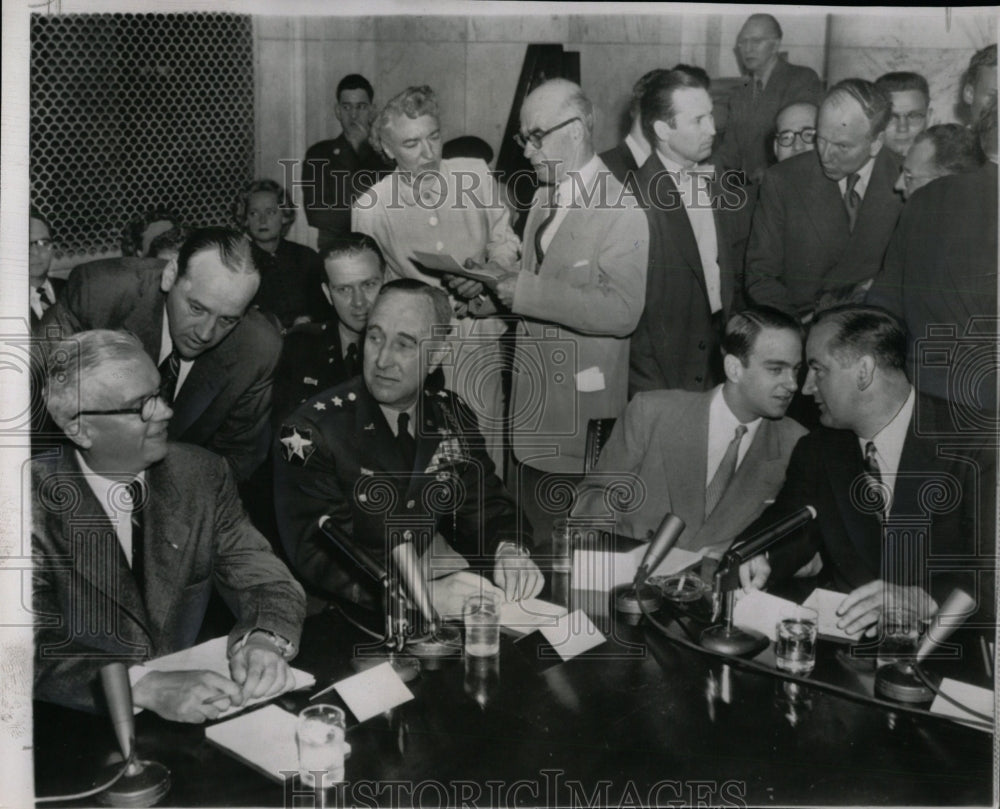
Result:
x=794 y=130
x=771 y=83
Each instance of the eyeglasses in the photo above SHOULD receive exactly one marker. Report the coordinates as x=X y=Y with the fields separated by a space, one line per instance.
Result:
x=536 y=136
x=145 y=410
x=909 y=118
x=41 y=244
x=786 y=137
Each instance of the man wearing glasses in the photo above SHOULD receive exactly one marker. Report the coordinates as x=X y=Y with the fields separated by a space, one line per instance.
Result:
x=911 y=100
x=794 y=130
x=337 y=170
x=824 y=219
x=42 y=290
x=771 y=84
x=217 y=359
x=129 y=532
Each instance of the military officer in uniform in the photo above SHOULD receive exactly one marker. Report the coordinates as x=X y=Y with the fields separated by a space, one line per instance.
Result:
x=317 y=356
x=385 y=459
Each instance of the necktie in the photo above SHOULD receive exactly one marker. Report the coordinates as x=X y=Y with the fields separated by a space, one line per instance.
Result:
x=407 y=444
x=876 y=491
x=758 y=89
x=553 y=207
x=852 y=200
x=43 y=296
x=725 y=472
x=351 y=360
x=169 y=370
x=136 y=494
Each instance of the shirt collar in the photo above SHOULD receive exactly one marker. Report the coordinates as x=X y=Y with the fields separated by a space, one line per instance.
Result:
x=102 y=486
x=889 y=440
x=721 y=416
x=766 y=75
x=392 y=417
x=864 y=177
x=639 y=148
x=578 y=180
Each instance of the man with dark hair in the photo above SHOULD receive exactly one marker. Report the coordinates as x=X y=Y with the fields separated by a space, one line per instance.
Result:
x=336 y=171
x=911 y=98
x=713 y=458
x=824 y=219
x=191 y=314
x=693 y=274
x=771 y=84
x=625 y=159
x=937 y=152
x=142 y=229
x=386 y=461
x=979 y=84
x=42 y=289
x=139 y=529
x=867 y=470
x=317 y=356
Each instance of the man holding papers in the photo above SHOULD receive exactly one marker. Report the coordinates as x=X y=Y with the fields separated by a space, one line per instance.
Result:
x=129 y=533
x=712 y=458
x=901 y=483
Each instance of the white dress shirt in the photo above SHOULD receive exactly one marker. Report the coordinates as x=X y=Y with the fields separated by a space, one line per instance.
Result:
x=889 y=442
x=38 y=306
x=639 y=148
x=121 y=518
x=722 y=424
x=864 y=177
x=166 y=346
x=567 y=193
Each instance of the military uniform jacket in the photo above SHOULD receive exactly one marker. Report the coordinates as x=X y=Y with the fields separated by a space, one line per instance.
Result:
x=337 y=461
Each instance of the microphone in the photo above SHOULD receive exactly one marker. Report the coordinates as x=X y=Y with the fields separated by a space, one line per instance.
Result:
x=404 y=556
x=760 y=542
x=663 y=541
x=143 y=783
x=358 y=555
x=959 y=605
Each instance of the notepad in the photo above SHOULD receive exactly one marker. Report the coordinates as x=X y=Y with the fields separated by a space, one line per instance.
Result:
x=826 y=602
x=972 y=696
x=761 y=611
x=522 y=617
x=604 y=570
x=211 y=656
x=264 y=740
x=373 y=691
x=572 y=635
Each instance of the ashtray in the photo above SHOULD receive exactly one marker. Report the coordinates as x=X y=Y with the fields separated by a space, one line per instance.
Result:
x=681 y=587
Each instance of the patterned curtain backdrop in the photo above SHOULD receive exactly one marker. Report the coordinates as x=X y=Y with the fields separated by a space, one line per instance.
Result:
x=129 y=111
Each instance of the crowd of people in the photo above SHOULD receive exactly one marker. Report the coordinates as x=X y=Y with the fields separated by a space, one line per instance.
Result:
x=751 y=310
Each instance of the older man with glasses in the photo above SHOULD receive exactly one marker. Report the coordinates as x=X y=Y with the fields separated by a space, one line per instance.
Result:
x=794 y=130
x=141 y=528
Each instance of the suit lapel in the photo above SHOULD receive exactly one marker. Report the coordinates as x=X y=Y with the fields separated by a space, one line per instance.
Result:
x=529 y=262
x=167 y=533
x=208 y=374
x=863 y=529
x=826 y=211
x=686 y=461
x=879 y=208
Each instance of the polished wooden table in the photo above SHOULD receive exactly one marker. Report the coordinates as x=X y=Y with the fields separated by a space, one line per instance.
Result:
x=637 y=721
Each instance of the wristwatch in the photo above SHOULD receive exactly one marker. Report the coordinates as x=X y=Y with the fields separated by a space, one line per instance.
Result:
x=517 y=547
x=284 y=647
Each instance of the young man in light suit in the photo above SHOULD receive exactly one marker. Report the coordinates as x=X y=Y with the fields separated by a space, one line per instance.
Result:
x=713 y=458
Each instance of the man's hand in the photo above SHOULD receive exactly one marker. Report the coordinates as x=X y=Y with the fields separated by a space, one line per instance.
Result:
x=517 y=575
x=754 y=573
x=259 y=669
x=862 y=609
x=185 y=696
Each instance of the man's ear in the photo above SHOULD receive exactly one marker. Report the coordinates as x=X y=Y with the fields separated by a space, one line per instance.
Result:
x=865 y=372
x=169 y=277
x=733 y=367
x=326 y=293
x=877 y=144
x=77 y=430
x=968 y=93
x=661 y=129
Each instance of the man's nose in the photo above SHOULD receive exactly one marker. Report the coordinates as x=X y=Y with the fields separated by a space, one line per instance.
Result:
x=809 y=386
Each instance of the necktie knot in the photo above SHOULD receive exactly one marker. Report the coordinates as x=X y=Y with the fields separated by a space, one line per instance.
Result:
x=741 y=430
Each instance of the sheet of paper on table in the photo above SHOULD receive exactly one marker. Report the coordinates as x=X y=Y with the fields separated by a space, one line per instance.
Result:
x=572 y=635
x=979 y=699
x=211 y=656
x=377 y=690
x=602 y=571
x=520 y=617
x=825 y=602
x=762 y=611
x=264 y=740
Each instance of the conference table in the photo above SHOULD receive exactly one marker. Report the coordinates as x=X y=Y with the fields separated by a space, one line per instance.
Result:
x=639 y=720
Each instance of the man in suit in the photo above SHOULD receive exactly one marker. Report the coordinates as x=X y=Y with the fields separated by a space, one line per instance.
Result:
x=580 y=287
x=940 y=277
x=317 y=356
x=42 y=290
x=771 y=84
x=910 y=97
x=824 y=219
x=712 y=458
x=625 y=159
x=129 y=532
x=217 y=358
x=939 y=151
x=336 y=171
x=794 y=130
x=693 y=277
x=385 y=462
x=903 y=502
x=979 y=84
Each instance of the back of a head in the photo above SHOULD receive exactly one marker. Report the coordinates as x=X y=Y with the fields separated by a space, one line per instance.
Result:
x=866 y=331
x=766 y=22
x=567 y=97
x=468 y=146
x=640 y=87
x=983 y=58
x=657 y=102
x=168 y=245
x=744 y=327
x=232 y=246
x=874 y=102
x=131 y=241
x=419 y=290
x=956 y=148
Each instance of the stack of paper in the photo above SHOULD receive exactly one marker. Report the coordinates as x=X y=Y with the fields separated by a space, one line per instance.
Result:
x=264 y=739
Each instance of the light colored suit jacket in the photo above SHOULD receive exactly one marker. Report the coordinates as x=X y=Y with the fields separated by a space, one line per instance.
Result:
x=662 y=439
x=579 y=309
x=88 y=609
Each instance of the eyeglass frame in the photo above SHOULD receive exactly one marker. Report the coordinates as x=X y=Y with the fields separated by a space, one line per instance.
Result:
x=536 y=136
x=45 y=243
x=139 y=411
x=796 y=133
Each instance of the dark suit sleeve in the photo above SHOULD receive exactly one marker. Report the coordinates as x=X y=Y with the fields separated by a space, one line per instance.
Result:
x=804 y=87
x=254 y=583
x=887 y=289
x=765 y=262
x=243 y=438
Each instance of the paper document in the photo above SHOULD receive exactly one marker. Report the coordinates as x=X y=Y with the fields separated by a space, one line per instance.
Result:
x=604 y=570
x=443 y=262
x=762 y=611
x=572 y=635
x=972 y=696
x=369 y=693
x=522 y=617
x=211 y=656
x=825 y=602
x=264 y=739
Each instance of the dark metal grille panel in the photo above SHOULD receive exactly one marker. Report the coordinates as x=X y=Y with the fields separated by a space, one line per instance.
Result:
x=134 y=110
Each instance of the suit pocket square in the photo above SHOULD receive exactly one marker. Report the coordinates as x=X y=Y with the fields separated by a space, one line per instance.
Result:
x=590 y=380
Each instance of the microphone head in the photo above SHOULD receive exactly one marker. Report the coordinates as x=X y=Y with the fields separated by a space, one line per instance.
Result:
x=958 y=606
x=669 y=531
x=118 y=693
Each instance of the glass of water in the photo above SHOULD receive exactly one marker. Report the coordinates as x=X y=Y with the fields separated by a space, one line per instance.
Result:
x=482 y=625
x=319 y=735
x=899 y=633
x=795 y=641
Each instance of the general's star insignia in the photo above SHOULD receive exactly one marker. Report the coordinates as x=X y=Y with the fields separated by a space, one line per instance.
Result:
x=297 y=444
x=337 y=401
x=319 y=406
